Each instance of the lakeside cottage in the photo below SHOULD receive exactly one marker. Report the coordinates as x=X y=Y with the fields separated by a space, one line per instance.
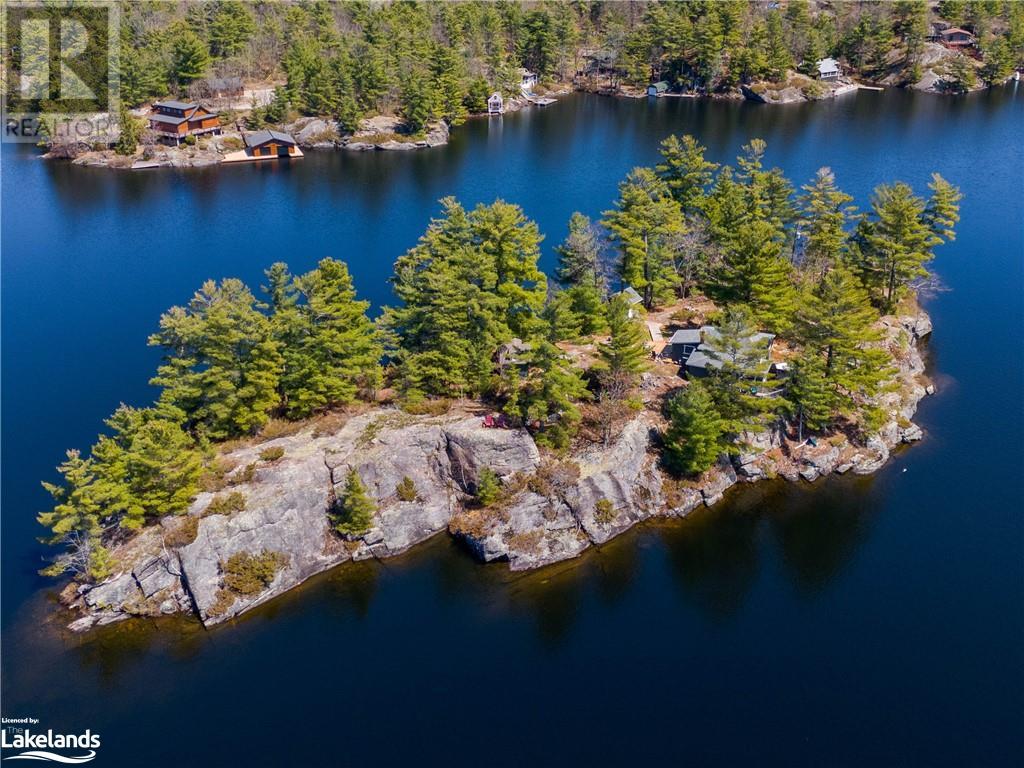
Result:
x=657 y=89
x=173 y=121
x=828 y=69
x=955 y=37
x=692 y=348
x=495 y=104
x=632 y=298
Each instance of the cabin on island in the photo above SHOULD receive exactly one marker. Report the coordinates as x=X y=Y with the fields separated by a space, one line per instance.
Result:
x=632 y=298
x=271 y=144
x=954 y=37
x=176 y=120
x=527 y=80
x=657 y=89
x=828 y=69
x=693 y=349
x=495 y=104
x=514 y=353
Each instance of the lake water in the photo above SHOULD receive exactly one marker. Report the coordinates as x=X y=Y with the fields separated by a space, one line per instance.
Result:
x=865 y=621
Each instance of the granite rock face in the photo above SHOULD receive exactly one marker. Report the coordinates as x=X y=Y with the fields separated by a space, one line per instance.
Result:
x=551 y=509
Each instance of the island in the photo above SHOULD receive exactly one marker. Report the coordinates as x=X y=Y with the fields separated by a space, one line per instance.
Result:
x=714 y=327
x=398 y=76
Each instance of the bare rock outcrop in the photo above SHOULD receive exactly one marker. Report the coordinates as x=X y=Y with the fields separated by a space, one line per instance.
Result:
x=551 y=510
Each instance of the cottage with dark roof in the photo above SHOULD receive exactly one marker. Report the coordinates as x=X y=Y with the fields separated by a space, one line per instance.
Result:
x=265 y=145
x=173 y=121
x=694 y=349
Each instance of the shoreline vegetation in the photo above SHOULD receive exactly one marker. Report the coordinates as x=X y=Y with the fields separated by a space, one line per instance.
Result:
x=398 y=76
x=531 y=417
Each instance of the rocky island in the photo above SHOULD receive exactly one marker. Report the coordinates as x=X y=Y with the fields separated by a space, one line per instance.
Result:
x=553 y=508
x=755 y=334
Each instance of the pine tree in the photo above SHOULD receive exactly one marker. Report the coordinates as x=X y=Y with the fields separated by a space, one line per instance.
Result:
x=131 y=130
x=546 y=399
x=942 y=212
x=581 y=272
x=418 y=101
x=354 y=515
x=146 y=468
x=643 y=221
x=222 y=365
x=334 y=354
x=894 y=244
x=75 y=521
x=190 y=59
x=755 y=273
x=469 y=285
x=824 y=213
x=695 y=435
x=739 y=366
x=837 y=323
x=624 y=352
x=685 y=171
x=449 y=77
x=231 y=28
x=810 y=396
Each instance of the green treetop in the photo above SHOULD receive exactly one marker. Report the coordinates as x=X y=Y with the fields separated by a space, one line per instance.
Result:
x=695 y=435
x=624 y=352
x=824 y=213
x=685 y=171
x=190 y=58
x=581 y=272
x=895 y=242
x=333 y=352
x=642 y=225
x=837 y=323
x=354 y=514
x=221 y=363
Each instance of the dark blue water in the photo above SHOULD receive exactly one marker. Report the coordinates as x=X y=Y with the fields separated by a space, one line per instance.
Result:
x=874 y=621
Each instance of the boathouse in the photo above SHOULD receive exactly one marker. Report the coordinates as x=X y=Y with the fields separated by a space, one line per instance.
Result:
x=495 y=104
x=173 y=121
x=828 y=69
x=657 y=89
x=271 y=144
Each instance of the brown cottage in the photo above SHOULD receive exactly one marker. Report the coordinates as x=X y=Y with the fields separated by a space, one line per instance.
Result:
x=174 y=120
x=271 y=144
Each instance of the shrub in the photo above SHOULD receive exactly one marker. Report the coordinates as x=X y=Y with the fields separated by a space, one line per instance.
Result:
x=222 y=603
x=279 y=428
x=183 y=532
x=225 y=504
x=421 y=406
x=215 y=478
x=604 y=512
x=488 y=489
x=245 y=475
x=190 y=141
x=248 y=574
x=232 y=142
x=271 y=454
x=406 y=490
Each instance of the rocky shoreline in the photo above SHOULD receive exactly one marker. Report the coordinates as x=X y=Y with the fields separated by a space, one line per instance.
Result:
x=552 y=509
